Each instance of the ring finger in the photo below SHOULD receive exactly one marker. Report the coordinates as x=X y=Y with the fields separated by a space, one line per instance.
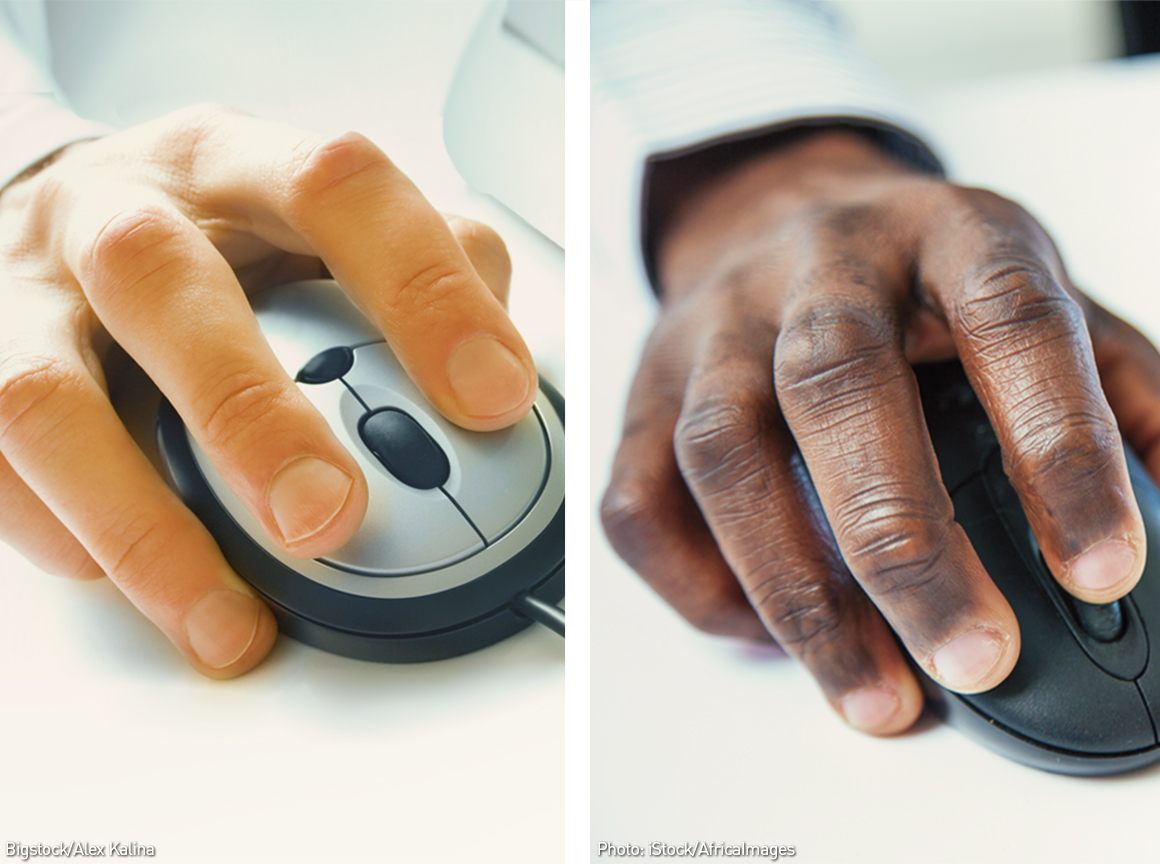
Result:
x=739 y=460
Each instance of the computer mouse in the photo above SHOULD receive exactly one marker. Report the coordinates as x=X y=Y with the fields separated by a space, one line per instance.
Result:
x=1084 y=696
x=463 y=541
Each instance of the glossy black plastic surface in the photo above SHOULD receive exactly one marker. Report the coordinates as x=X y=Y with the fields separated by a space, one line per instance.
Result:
x=1085 y=692
x=404 y=448
x=326 y=366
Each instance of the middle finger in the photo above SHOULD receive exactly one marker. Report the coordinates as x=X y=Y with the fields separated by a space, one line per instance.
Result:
x=851 y=401
x=162 y=290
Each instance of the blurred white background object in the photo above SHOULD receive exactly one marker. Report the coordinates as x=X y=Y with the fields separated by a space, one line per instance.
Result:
x=924 y=45
x=504 y=123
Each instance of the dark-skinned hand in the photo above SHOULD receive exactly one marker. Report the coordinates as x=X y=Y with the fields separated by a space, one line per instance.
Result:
x=797 y=288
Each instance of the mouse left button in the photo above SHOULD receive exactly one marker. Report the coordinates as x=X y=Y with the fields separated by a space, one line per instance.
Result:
x=326 y=366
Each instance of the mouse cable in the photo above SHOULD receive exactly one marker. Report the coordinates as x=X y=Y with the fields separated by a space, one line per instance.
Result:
x=540 y=611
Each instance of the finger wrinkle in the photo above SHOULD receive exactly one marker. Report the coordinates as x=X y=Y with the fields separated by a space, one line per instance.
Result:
x=908 y=577
x=1053 y=401
x=739 y=496
x=1063 y=439
x=862 y=510
x=1064 y=481
x=25 y=412
x=1012 y=348
x=802 y=622
x=855 y=367
x=1040 y=425
x=845 y=413
x=751 y=545
x=1016 y=310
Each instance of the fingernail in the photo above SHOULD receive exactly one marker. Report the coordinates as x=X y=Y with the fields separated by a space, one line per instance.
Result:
x=221 y=626
x=870 y=708
x=965 y=661
x=487 y=378
x=305 y=495
x=1103 y=566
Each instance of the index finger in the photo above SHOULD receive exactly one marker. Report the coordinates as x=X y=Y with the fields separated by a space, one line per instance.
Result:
x=851 y=401
x=1024 y=344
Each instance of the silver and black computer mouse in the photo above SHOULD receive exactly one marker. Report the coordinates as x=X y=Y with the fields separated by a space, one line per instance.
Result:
x=1084 y=696
x=463 y=540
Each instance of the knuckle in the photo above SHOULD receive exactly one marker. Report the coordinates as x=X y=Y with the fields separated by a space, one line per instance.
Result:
x=633 y=521
x=429 y=289
x=201 y=115
x=29 y=215
x=75 y=563
x=239 y=406
x=851 y=224
x=482 y=243
x=135 y=244
x=62 y=555
x=35 y=391
x=322 y=164
x=968 y=203
x=897 y=554
x=1068 y=456
x=965 y=206
x=834 y=371
x=1011 y=307
x=629 y=513
x=804 y=610
x=479 y=235
x=985 y=205
x=184 y=141
x=828 y=345
x=182 y=132
x=132 y=551
x=720 y=437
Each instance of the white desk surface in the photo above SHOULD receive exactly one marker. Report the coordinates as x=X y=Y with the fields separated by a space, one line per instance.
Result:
x=698 y=739
x=106 y=734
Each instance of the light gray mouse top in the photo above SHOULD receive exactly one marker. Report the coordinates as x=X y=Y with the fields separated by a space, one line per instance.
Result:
x=446 y=505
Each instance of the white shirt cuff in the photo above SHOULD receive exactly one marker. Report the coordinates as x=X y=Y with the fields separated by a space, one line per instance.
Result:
x=33 y=126
x=675 y=77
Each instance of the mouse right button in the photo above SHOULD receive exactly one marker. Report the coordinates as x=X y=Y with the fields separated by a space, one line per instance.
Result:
x=1056 y=695
x=1149 y=684
x=1145 y=597
x=504 y=473
x=1119 y=647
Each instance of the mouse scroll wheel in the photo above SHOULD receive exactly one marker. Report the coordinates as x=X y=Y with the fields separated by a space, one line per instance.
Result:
x=404 y=448
x=328 y=366
x=1104 y=622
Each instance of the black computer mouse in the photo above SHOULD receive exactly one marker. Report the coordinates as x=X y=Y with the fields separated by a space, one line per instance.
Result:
x=463 y=541
x=1084 y=696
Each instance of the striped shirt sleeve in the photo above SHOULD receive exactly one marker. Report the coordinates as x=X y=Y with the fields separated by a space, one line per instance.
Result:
x=34 y=119
x=672 y=77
